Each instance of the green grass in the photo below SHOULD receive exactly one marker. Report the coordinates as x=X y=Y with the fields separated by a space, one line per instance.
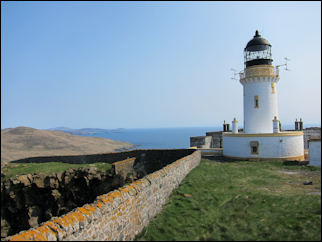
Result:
x=241 y=201
x=13 y=169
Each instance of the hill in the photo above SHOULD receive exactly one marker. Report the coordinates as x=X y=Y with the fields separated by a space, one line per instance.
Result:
x=23 y=142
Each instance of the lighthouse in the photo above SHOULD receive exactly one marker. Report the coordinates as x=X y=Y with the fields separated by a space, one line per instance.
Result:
x=259 y=86
x=261 y=137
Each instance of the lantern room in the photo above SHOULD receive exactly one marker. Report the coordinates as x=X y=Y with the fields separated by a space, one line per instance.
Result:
x=258 y=51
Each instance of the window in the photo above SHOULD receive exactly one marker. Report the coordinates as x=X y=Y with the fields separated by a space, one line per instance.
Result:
x=256 y=102
x=254 y=147
x=273 y=87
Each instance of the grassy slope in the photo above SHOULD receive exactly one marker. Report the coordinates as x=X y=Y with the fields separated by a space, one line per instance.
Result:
x=241 y=201
x=47 y=168
x=23 y=142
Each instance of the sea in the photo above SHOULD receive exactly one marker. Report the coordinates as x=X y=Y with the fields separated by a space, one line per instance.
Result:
x=155 y=138
x=162 y=138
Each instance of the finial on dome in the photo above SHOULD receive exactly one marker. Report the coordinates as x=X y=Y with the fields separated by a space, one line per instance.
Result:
x=257 y=34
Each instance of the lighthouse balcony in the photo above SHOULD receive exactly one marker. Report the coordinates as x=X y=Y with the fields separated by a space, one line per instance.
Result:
x=259 y=71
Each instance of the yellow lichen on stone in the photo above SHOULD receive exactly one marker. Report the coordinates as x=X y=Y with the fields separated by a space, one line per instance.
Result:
x=83 y=210
x=102 y=197
x=53 y=226
x=115 y=194
x=109 y=199
x=90 y=208
x=69 y=219
x=99 y=204
x=44 y=230
x=25 y=236
x=132 y=186
x=40 y=237
x=123 y=189
x=20 y=237
x=78 y=216
x=61 y=222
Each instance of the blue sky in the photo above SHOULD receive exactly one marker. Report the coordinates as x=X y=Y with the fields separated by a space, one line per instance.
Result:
x=150 y=64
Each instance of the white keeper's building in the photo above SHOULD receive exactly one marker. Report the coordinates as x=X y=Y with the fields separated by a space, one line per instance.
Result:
x=261 y=137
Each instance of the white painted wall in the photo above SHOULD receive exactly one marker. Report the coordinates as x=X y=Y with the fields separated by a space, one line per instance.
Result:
x=259 y=120
x=269 y=147
x=315 y=152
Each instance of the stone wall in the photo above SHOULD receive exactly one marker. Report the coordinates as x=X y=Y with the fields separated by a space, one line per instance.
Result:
x=146 y=154
x=313 y=132
x=124 y=170
x=216 y=139
x=211 y=140
x=200 y=141
x=120 y=214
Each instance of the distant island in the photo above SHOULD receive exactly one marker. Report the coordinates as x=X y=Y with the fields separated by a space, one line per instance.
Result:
x=23 y=142
x=85 y=131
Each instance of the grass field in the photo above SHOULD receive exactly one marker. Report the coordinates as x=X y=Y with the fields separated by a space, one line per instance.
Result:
x=13 y=169
x=242 y=201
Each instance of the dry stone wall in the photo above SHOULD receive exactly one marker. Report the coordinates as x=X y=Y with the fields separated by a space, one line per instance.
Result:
x=120 y=214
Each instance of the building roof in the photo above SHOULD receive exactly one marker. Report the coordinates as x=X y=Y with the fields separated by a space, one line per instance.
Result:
x=257 y=43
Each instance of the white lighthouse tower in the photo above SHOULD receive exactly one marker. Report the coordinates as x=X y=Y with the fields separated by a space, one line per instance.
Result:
x=261 y=138
x=259 y=84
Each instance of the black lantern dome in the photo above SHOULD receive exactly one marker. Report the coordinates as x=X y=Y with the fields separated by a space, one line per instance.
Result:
x=258 y=51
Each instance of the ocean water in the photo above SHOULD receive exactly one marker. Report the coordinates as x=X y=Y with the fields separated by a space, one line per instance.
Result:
x=156 y=138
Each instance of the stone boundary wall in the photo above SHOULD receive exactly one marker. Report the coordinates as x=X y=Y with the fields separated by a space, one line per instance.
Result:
x=309 y=133
x=211 y=140
x=124 y=167
x=117 y=215
x=106 y=157
x=200 y=141
x=216 y=140
x=147 y=160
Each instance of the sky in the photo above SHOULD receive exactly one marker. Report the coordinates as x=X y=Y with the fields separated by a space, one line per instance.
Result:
x=151 y=64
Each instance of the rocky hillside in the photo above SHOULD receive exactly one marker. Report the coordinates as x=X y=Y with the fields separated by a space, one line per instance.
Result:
x=23 y=142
